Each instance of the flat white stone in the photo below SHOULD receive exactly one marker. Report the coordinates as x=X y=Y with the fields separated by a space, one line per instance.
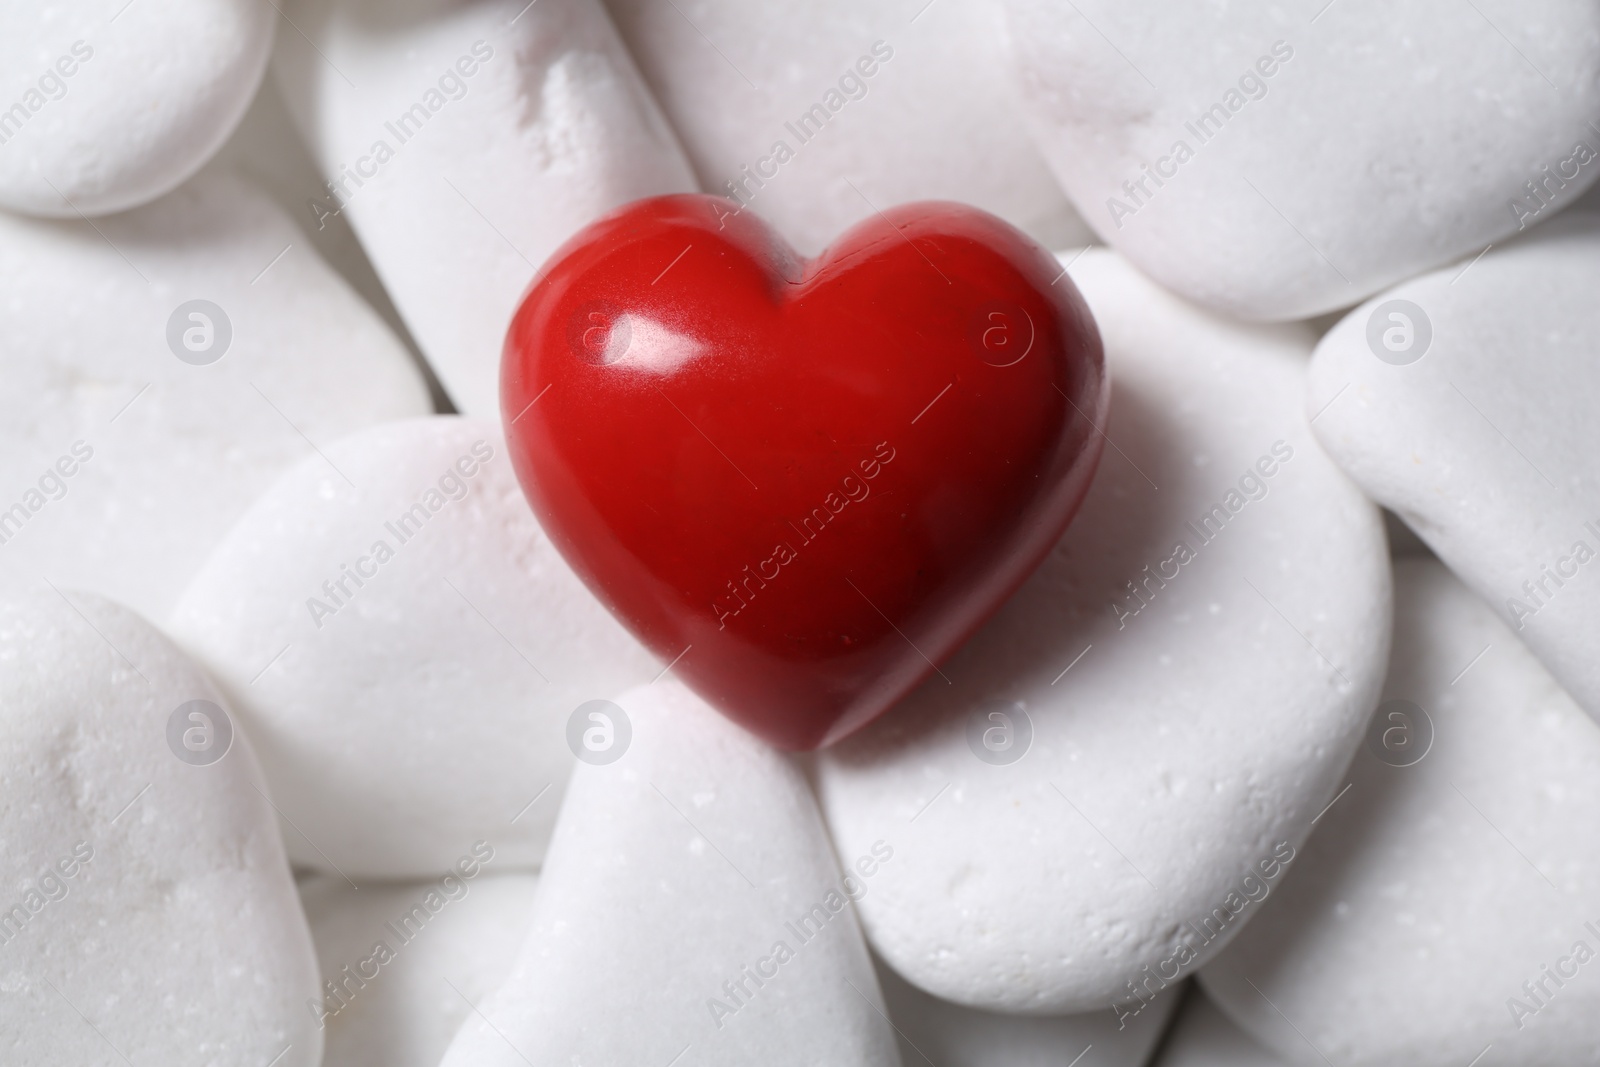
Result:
x=949 y=1035
x=691 y=907
x=1476 y=426
x=124 y=457
x=1179 y=735
x=467 y=142
x=1431 y=892
x=106 y=105
x=872 y=104
x=408 y=648
x=406 y=960
x=1204 y=1037
x=147 y=913
x=1303 y=159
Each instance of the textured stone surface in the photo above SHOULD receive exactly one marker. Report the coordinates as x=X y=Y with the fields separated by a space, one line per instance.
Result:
x=408 y=648
x=124 y=456
x=106 y=105
x=1477 y=428
x=268 y=149
x=939 y=1032
x=1431 y=892
x=690 y=907
x=917 y=102
x=1301 y=160
x=147 y=914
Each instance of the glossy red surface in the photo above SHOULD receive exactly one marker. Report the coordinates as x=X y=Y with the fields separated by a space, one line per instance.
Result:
x=817 y=477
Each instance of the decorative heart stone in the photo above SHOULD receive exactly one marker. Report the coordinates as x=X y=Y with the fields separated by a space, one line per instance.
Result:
x=802 y=483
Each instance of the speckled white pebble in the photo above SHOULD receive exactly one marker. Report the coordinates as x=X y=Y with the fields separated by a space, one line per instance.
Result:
x=408 y=648
x=1182 y=733
x=402 y=962
x=147 y=914
x=815 y=115
x=107 y=104
x=122 y=464
x=1204 y=1037
x=1431 y=893
x=466 y=142
x=1464 y=401
x=939 y=1032
x=691 y=908
x=1302 y=159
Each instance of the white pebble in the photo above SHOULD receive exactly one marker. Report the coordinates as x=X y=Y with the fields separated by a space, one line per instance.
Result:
x=466 y=142
x=403 y=963
x=1173 y=730
x=1276 y=163
x=147 y=914
x=270 y=152
x=162 y=367
x=936 y=1031
x=1448 y=901
x=408 y=648
x=816 y=115
x=1464 y=401
x=691 y=907
x=107 y=105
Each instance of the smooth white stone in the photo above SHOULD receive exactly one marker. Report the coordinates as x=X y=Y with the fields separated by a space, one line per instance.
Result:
x=688 y=859
x=939 y=1032
x=178 y=938
x=153 y=91
x=937 y=119
x=268 y=149
x=399 y=1005
x=1385 y=142
x=1431 y=892
x=1484 y=443
x=1204 y=1037
x=1189 y=743
x=552 y=129
x=427 y=706
x=175 y=451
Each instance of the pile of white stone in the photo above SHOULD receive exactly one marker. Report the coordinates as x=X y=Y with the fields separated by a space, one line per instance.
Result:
x=298 y=757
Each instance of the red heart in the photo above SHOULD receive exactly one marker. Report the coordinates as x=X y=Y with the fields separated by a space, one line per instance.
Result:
x=803 y=483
